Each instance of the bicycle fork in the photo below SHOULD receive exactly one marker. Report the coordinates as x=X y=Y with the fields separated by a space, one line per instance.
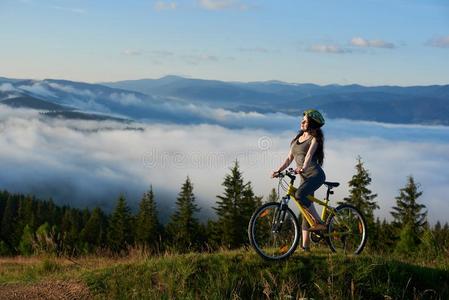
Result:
x=279 y=216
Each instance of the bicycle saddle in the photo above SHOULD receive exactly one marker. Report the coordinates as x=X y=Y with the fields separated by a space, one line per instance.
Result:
x=331 y=184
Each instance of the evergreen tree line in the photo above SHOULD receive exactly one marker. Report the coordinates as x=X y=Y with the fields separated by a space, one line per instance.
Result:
x=409 y=232
x=30 y=226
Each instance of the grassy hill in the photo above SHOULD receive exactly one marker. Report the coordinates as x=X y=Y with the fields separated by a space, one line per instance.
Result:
x=236 y=274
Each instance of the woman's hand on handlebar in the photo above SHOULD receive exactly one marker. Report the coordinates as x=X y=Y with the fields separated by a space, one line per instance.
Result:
x=299 y=170
x=274 y=174
x=288 y=172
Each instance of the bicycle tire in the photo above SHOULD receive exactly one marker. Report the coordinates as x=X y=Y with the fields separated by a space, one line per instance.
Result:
x=347 y=222
x=270 y=238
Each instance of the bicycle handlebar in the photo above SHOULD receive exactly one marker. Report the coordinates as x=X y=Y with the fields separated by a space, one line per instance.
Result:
x=289 y=173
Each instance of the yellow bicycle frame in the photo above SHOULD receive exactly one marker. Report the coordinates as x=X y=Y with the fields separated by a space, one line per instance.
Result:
x=291 y=192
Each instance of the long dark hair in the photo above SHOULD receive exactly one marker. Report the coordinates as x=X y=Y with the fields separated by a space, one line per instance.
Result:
x=315 y=130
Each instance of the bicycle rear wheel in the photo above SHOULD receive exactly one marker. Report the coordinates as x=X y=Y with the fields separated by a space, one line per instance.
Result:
x=274 y=231
x=347 y=230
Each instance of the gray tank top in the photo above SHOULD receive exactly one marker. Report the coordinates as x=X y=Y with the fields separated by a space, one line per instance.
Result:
x=299 y=151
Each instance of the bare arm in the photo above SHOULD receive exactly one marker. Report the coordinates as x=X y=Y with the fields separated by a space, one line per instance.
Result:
x=310 y=153
x=287 y=161
x=285 y=164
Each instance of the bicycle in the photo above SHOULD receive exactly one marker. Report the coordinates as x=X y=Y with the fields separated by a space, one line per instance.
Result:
x=274 y=230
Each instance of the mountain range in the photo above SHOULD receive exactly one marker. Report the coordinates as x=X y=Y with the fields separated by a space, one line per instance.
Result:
x=193 y=101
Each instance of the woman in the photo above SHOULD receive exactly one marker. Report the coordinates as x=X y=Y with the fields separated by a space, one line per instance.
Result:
x=306 y=149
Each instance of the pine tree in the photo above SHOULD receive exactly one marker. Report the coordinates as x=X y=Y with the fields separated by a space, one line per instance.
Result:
x=4 y=249
x=26 y=242
x=227 y=212
x=429 y=245
x=437 y=227
x=273 y=196
x=25 y=215
x=377 y=235
x=85 y=216
x=94 y=232
x=202 y=238
x=234 y=209
x=120 y=226
x=407 y=241
x=147 y=222
x=48 y=211
x=408 y=210
x=3 y=198
x=183 y=226
x=444 y=236
x=248 y=204
x=387 y=238
x=359 y=194
x=70 y=231
x=8 y=231
x=446 y=226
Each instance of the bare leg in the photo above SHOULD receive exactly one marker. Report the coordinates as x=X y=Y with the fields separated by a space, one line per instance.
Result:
x=305 y=239
x=305 y=232
x=314 y=213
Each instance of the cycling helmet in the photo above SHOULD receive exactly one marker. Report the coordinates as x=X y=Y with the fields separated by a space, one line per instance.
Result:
x=315 y=115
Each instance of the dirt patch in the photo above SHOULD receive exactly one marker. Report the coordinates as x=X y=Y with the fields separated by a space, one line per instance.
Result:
x=45 y=290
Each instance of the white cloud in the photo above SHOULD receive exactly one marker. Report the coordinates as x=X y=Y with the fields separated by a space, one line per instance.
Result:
x=336 y=49
x=7 y=112
x=7 y=87
x=439 y=42
x=162 y=5
x=216 y=4
x=162 y=53
x=72 y=160
x=71 y=90
x=7 y=91
x=79 y=11
x=361 y=42
x=256 y=50
x=131 y=52
x=199 y=58
x=93 y=100
x=126 y=98
x=37 y=88
x=230 y=119
x=224 y=4
x=85 y=99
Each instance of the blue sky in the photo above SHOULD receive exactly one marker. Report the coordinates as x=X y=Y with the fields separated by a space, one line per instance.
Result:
x=370 y=42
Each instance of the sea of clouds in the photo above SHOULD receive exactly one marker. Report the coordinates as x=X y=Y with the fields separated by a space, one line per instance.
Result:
x=89 y=163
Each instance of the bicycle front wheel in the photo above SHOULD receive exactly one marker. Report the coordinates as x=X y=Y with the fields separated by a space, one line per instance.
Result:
x=273 y=231
x=347 y=230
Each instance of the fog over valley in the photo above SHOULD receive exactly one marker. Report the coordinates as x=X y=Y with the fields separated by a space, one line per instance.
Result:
x=89 y=163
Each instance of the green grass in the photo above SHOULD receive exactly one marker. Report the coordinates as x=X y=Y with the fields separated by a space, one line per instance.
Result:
x=34 y=269
x=242 y=274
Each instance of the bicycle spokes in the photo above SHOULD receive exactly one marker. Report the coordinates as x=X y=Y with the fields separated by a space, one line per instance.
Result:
x=360 y=227
x=264 y=213
x=347 y=230
x=273 y=231
x=283 y=249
